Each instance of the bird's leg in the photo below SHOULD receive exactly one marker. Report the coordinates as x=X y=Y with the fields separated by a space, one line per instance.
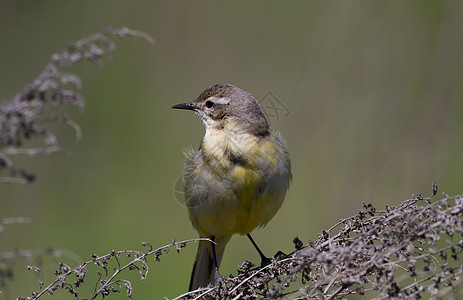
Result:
x=264 y=260
x=218 y=277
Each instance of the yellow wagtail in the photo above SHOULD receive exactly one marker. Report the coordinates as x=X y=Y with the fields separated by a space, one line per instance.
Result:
x=238 y=178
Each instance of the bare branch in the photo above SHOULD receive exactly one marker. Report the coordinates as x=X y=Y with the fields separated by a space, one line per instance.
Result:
x=24 y=117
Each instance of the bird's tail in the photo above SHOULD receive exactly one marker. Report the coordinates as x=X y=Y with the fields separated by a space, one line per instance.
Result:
x=203 y=269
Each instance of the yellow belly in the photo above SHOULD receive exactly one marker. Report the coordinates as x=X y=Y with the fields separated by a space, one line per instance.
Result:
x=225 y=197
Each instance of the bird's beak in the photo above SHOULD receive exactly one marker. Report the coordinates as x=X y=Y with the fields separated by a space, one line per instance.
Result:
x=187 y=105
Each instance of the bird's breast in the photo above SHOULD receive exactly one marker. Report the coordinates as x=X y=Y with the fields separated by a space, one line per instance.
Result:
x=236 y=182
x=228 y=149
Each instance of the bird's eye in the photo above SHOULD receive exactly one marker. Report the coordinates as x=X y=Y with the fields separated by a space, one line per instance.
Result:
x=209 y=104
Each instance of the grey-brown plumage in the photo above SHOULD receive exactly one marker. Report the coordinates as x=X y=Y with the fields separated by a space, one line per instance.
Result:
x=238 y=178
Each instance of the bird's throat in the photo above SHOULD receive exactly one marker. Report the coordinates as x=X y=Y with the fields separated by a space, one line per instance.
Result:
x=225 y=147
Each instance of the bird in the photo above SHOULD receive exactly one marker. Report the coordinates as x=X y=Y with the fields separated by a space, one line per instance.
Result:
x=237 y=180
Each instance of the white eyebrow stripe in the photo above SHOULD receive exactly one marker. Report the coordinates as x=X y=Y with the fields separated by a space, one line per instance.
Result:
x=219 y=100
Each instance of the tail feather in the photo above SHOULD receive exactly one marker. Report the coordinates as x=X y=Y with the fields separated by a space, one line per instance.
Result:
x=203 y=268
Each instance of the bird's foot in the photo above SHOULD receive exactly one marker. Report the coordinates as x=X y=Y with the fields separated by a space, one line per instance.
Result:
x=268 y=260
x=265 y=261
x=220 y=281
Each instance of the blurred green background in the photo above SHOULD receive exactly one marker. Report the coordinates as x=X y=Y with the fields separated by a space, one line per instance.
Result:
x=373 y=92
